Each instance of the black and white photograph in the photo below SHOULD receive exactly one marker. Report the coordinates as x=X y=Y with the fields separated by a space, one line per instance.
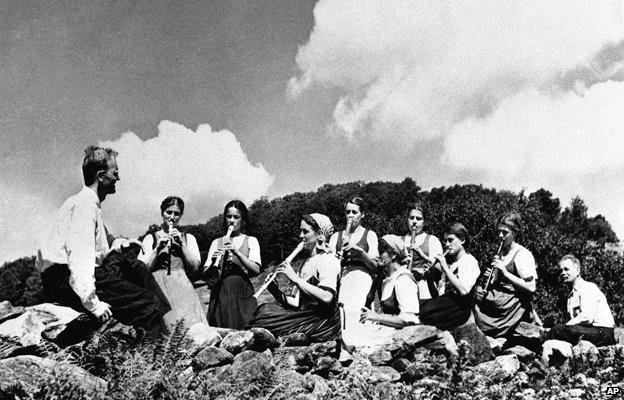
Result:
x=321 y=199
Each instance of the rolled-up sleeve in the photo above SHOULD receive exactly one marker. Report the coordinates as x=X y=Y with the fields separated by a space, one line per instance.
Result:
x=81 y=256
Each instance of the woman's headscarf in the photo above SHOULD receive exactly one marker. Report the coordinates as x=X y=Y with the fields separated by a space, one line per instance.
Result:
x=398 y=245
x=326 y=229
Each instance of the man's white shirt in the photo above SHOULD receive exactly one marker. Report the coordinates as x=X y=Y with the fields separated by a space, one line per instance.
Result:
x=78 y=239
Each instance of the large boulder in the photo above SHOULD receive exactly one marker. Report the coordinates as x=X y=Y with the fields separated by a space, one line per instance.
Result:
x=211 y=357
x=7 y=311
x=556 y=352
x=204 y=335
x=31 y=372
x=476 y=341
x=247 y=355
x=263 y=339
x=404 y=341
x=26 y=328
x=60 y=325
x=237 y=341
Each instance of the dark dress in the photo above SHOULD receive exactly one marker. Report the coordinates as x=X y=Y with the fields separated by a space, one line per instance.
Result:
x=231 y=298
x=318 y=321
x=123 y=282
x=504 y=307
x=451 y=310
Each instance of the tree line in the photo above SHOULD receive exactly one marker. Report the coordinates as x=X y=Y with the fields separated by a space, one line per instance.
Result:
x=549 y=232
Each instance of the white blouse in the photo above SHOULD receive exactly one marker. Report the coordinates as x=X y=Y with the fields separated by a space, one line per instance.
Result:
x=406 y=292
x=237 y=242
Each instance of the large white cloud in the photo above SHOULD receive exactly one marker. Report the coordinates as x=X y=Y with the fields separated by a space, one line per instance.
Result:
x=24 y=216
x=533 y=134
x=520 y=93
x=571 y=144
x=204 y=167
x=411 y=69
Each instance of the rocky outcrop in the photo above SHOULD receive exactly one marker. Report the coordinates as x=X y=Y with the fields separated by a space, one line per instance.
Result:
x=405 y=341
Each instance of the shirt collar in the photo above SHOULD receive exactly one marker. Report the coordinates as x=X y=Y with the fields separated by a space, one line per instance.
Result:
x=91 y=195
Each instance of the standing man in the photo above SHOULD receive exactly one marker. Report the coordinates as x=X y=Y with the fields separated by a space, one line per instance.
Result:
x=590 y=316
x=77 y=243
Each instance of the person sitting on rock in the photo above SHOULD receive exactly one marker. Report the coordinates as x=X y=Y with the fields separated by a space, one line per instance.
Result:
x=399 y=299
x=71 y=255
x=590 y=315
x=312 y=307
x=454 y=306
x=507 y=301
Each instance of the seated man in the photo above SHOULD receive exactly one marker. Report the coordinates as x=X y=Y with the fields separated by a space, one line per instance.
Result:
x=71 y=256
x=590 y=316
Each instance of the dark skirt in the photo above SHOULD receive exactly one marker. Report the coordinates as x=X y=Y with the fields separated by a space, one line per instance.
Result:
x=500 y=312
x=121 y=281
x=231 y=302
x=446 y=312
x=319 y=325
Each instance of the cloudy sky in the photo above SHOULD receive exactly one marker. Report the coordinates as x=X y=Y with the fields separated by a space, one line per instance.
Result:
x=245 y=99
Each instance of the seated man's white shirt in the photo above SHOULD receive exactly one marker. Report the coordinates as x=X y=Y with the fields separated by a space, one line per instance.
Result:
x=78 y=239
x=588 y=305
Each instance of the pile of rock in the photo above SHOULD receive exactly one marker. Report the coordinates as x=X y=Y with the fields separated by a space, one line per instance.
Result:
x=28 y=336
x=420 y=355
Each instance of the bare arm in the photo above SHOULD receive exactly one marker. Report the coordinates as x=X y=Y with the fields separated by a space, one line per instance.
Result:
x=385 y=319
